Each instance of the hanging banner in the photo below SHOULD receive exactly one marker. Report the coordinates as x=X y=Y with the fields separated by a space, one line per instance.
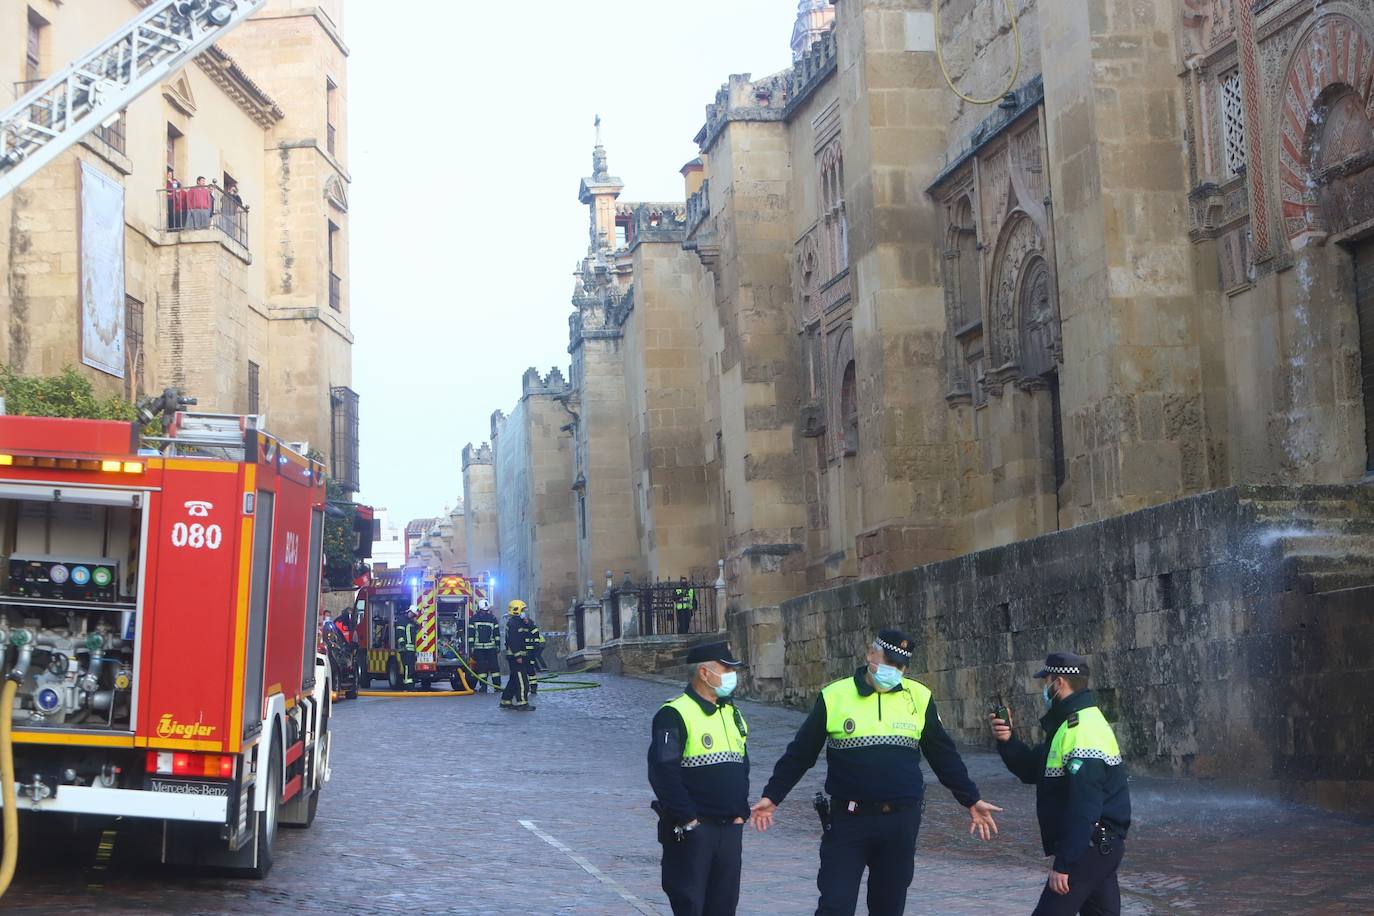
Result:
x=102 y=271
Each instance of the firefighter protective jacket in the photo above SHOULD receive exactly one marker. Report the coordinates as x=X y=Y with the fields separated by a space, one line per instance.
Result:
x=515 y=635
x=483 y=631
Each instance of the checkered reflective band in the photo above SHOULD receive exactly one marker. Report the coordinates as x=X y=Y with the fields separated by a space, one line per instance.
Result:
x=1070 y=669
x=845 y=744
x=880 y=644
x=706 y=760
x=1086 y=753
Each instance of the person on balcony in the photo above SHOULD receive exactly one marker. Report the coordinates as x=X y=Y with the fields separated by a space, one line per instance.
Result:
x=176 y=201
x=231 y=210
x=199 y=202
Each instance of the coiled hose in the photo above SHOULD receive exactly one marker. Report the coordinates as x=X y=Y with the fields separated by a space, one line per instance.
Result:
x=10 y=856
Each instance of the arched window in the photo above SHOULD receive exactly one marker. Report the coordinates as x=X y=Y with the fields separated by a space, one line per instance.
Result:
x=849 y=409
x=836 y=228
x=964 y=244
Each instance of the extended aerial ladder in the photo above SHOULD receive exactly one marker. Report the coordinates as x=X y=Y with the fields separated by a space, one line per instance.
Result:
x=92 y=91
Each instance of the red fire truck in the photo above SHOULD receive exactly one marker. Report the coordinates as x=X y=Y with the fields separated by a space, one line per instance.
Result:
x=444 y=602
x=162 y=605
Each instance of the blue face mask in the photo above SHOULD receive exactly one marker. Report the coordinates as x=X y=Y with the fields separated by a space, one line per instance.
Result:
x=887 y=677
x=1047 y=696
x=728 y=680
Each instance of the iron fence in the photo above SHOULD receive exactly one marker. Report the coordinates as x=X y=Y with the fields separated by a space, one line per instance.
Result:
x=202 y=207
x=673 y=608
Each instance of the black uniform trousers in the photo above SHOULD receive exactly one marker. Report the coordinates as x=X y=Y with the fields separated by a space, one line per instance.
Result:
x=1093 y=890
x=701 y=873
x=517 y=692
x=885 y=844
x=407 y=667
x=487 y=662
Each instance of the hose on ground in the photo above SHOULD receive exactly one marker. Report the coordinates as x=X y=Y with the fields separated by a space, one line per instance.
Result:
x=10 y=857
x=542 y=684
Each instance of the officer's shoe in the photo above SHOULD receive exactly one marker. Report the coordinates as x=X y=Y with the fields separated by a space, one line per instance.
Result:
x=526 y=708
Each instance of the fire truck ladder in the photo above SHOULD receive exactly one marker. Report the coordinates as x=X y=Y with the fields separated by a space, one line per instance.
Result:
x=92 y=91
x=221 y=435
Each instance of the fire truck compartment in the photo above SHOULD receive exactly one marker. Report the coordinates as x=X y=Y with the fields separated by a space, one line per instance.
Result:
x=69 y=565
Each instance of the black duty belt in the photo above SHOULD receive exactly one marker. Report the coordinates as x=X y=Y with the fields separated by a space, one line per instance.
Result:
x=866 y=808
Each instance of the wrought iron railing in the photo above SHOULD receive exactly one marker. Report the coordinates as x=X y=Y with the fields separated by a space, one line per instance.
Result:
x=675 y=608
x=202 y=207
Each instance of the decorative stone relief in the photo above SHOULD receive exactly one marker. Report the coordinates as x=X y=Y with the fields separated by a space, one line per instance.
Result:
x=1041 y=349
x=336 y=193
x=1334 y=53
x=1020 y=241
x=995 y=190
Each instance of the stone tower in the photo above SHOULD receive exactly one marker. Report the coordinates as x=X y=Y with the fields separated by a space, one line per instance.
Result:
x=814 y=18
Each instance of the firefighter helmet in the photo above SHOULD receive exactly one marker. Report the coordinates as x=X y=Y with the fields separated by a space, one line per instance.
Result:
x=517 y=606
x=483 y=604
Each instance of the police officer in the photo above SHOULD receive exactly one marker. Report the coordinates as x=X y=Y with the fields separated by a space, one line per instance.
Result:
x=405 y=648
x=517 y=693
x=684 y=605
x=874 y=725
x=699 y=771
x=1081 y=798
x=484 y=640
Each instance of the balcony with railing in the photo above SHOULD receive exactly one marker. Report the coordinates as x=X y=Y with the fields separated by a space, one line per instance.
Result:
x=202 y=207
x=42 y=112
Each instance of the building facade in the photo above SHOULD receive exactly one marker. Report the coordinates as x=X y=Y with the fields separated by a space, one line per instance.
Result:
x=1044 y=318
x=237 y=293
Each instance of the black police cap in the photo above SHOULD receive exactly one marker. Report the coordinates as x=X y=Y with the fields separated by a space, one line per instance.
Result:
x=1061 y=664
x=896 y=646
x=713 y=652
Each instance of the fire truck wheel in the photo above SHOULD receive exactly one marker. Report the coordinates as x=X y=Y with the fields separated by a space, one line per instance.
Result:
x=266 y=834
x=456 y=682
x=364 y=679
x=393 y=675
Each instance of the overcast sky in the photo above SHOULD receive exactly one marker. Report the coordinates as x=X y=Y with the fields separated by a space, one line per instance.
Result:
x=470 y=125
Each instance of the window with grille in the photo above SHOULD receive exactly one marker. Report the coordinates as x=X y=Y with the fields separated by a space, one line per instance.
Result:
x=1232 y=123
x=254 y=396
x=344 y=432
x=133 y=347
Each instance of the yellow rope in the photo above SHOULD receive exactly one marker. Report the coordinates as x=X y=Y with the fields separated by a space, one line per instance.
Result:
x=1015 y=70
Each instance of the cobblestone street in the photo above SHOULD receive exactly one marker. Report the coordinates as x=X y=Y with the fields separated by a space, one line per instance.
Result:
x=447 y=805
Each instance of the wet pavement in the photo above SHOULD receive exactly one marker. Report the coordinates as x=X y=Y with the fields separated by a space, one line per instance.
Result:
x=448 y=805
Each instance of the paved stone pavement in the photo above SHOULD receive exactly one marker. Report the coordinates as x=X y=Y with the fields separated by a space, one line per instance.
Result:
x=427 y=808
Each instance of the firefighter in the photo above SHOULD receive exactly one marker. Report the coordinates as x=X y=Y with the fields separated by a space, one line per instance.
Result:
x=517 y=693
x=534 y=639
x=685 y=605
x=406 y=631
x=484 y=641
